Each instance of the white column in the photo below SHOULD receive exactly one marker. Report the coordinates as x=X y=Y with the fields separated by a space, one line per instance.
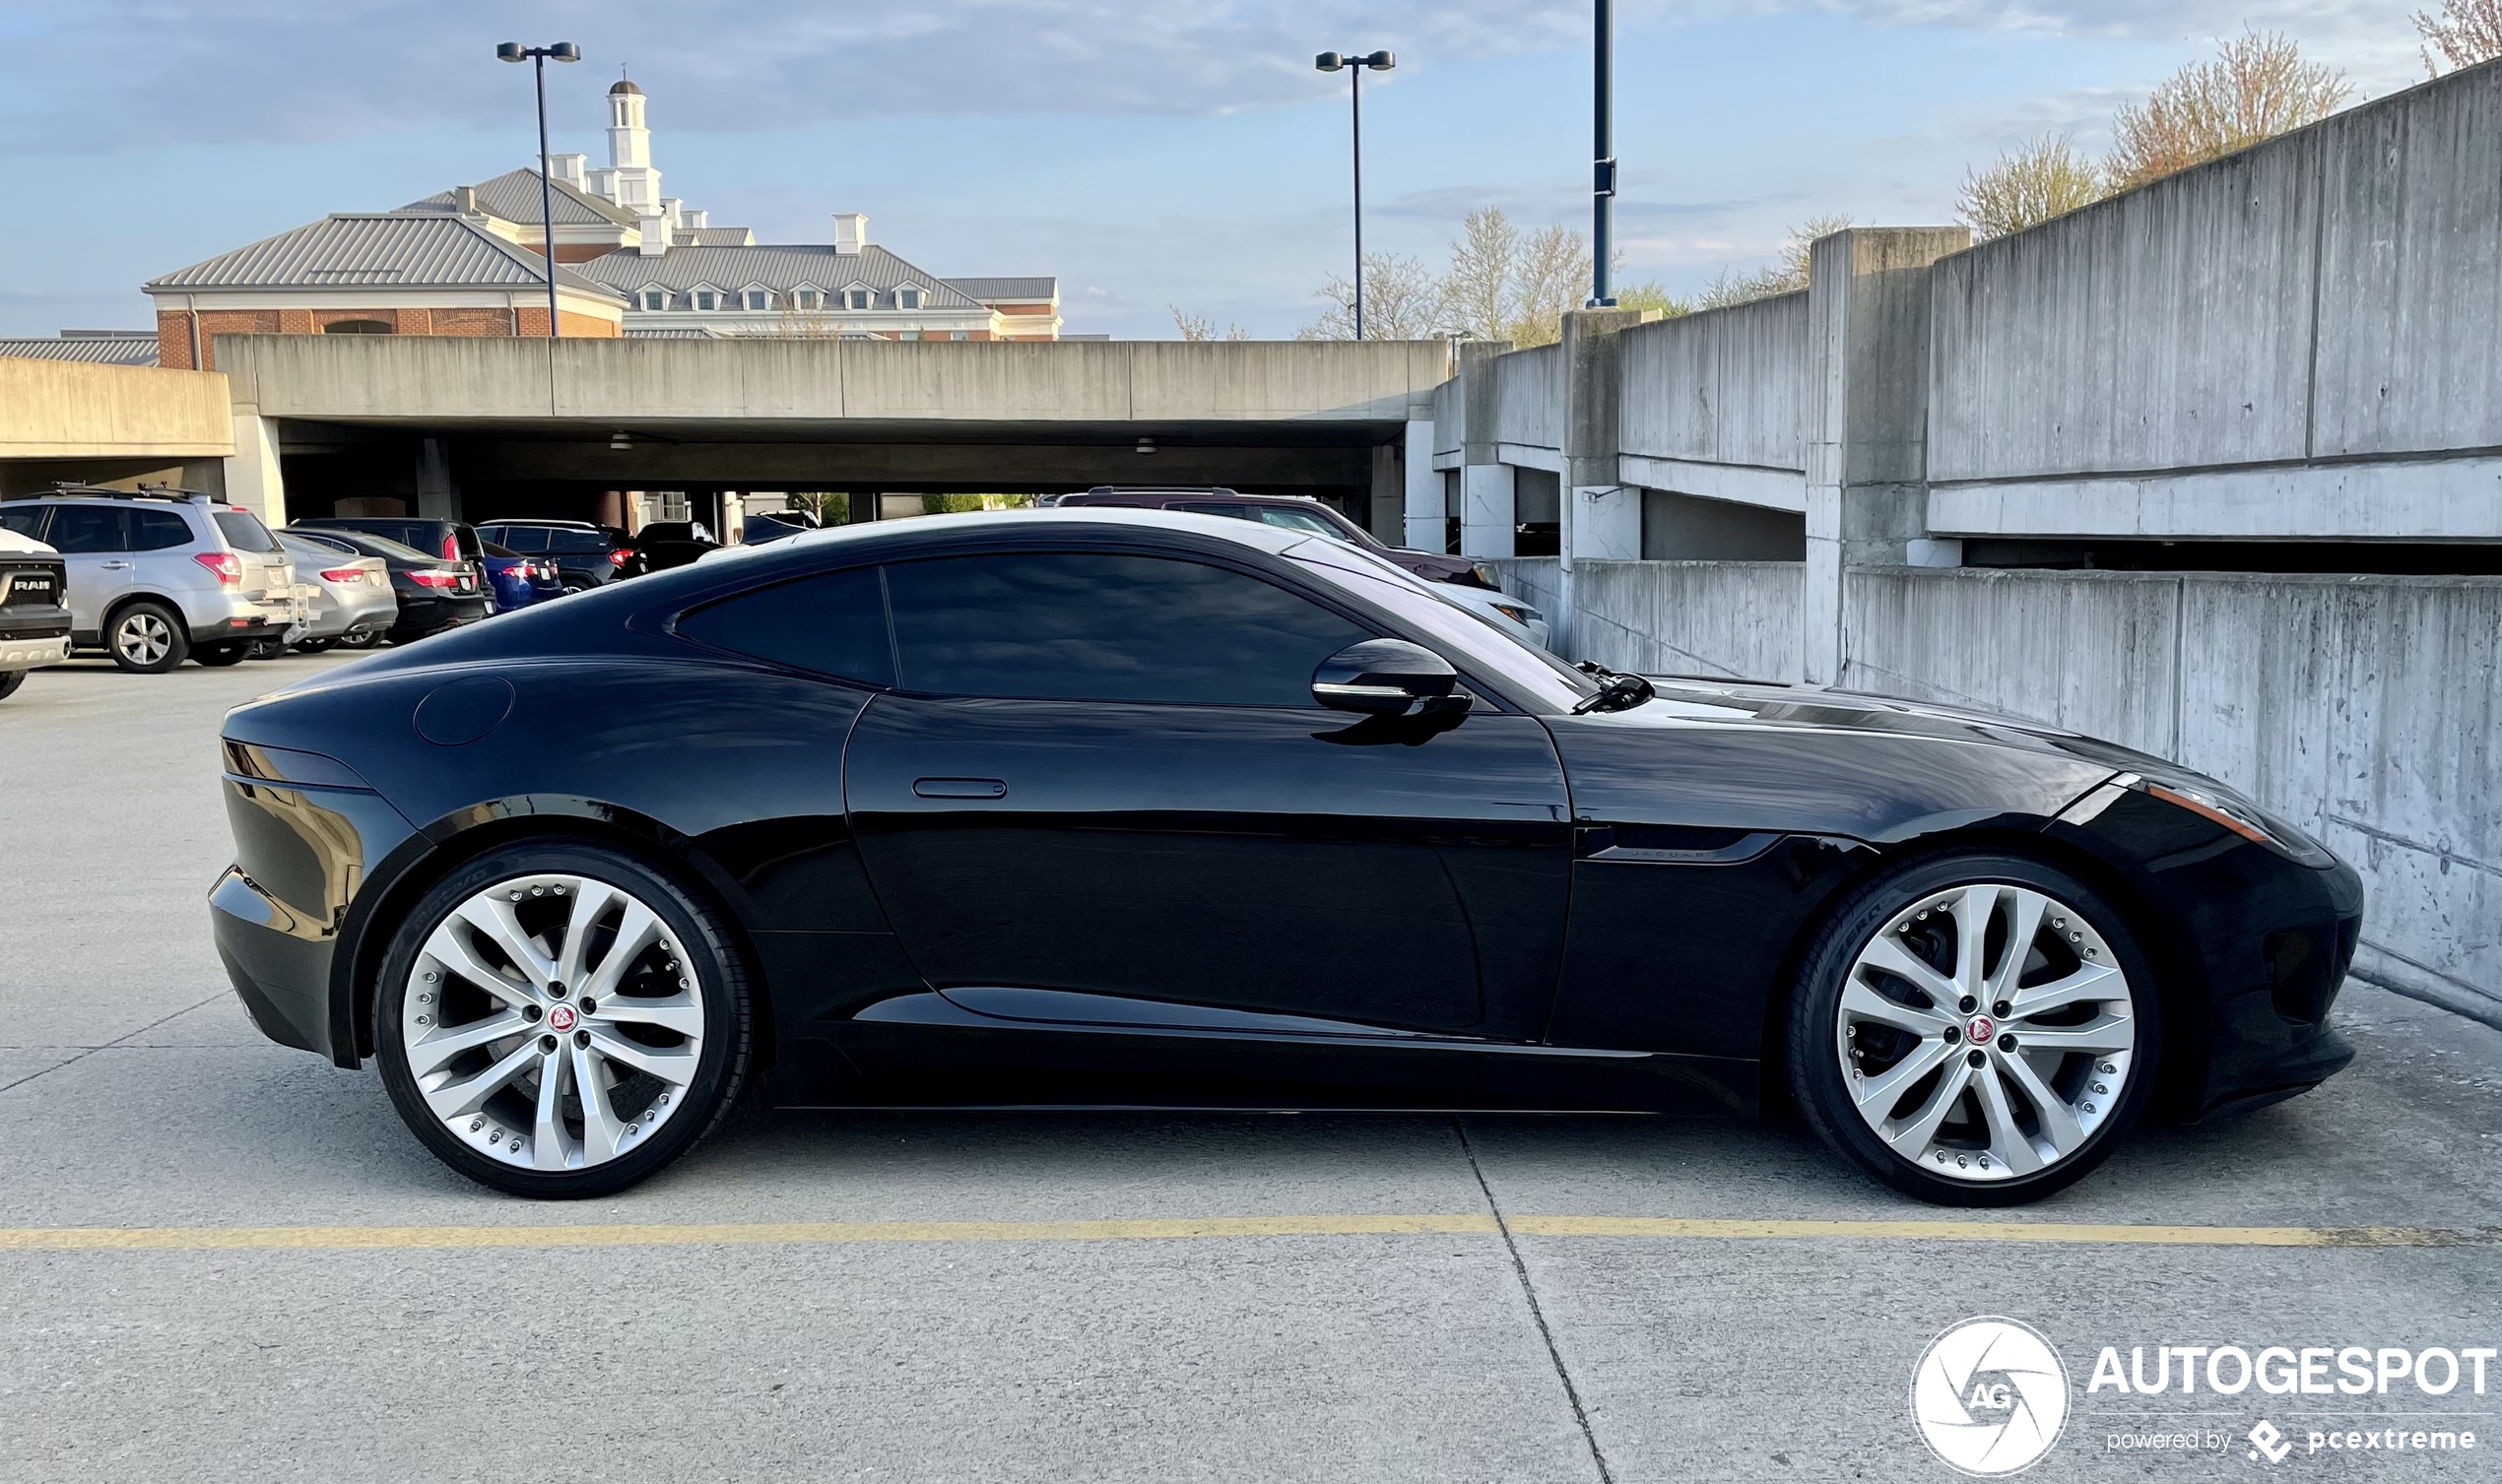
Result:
x=1488 y=509
x=253 y=480
x=436 y=499
x=1426 y=516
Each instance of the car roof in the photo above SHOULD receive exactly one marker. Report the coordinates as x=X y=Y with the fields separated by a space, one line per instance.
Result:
x=530 y=520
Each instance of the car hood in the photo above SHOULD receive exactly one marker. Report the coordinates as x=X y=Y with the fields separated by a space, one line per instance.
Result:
x=1814 y=708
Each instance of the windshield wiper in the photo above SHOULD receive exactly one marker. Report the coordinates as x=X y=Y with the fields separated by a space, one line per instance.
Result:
x=1618 y=691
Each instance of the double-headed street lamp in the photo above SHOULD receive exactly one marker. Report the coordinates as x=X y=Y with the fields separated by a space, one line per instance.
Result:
x=538 y=57
x=1355 y=67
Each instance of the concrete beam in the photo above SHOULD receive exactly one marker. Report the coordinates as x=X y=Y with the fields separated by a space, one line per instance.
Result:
x=76 y=409
x=2430 y=499
x=1007 y=468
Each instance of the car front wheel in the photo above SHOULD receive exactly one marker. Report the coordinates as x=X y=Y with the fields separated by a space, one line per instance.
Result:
x=1974 y=1029
x=561 y=1020
x=147 y=638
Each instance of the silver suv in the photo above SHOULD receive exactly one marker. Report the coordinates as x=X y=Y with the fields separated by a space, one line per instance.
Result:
x=161 y=575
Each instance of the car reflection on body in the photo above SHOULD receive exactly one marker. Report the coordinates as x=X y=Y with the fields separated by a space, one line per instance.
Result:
x=1006 y=811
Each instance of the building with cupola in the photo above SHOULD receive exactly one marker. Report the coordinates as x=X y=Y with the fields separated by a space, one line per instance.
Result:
x=628 y=261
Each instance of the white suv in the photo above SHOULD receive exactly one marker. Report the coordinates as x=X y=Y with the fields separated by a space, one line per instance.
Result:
x=160 y=576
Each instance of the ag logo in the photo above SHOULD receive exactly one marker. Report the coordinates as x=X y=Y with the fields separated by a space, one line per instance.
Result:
x=1989 y=1397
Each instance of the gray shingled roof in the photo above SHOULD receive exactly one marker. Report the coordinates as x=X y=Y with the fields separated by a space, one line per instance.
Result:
x=383 y=249
x=135 y=350
x=515 y=197
x=731 y=269
x=714 y=236
x=1024 y=290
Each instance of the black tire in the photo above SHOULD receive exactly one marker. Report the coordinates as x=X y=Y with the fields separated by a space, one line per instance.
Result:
x=722 y=1064
x=579 y=584
x=363 y=638
x=1816 y=1046
x=223 y=653
x=315 y=646
x=10 y=681
x=264 y=649
x=144 y=629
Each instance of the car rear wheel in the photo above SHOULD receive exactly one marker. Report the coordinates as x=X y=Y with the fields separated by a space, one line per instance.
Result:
x=1974 y=1029
x=147 y=638
x=10 y=681
x=561 y=1020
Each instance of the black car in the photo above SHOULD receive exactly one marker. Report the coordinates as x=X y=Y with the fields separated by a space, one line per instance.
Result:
x=668 y=544
x=436 y=592
x=450 y=540
x=585 y=556
x=1127 y=808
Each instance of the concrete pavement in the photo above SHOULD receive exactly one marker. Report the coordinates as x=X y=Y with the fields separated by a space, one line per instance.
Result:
x=134 y=1096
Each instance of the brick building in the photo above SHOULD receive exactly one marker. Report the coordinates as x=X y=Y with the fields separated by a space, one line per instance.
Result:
x=630 y=261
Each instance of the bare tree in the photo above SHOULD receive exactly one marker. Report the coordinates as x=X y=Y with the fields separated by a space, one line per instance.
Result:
x=1787 y=273
x=2043 y=178
x=1195 y=327
x=1651 y=295
x=1402 y=301
x=1554 y=277
x=1480 y=290
x=2466 y=33
x=2258 y=86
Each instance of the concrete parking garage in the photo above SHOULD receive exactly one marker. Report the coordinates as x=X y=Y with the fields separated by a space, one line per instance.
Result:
x=221 y=1259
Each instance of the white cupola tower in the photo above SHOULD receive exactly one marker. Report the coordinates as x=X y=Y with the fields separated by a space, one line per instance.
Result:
x=629 y=179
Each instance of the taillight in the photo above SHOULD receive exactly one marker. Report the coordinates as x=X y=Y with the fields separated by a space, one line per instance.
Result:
x=344 y=574
x=228 y=566
x=451 y=546
x=438 y=578
x=617 y=558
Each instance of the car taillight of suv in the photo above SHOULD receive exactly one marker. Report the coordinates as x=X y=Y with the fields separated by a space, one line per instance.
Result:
x=228 y=566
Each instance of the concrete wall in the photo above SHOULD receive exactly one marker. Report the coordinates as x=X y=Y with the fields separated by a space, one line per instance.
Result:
x=2184 y=359
x=1718 y=387
x=418 y=381
x=1736 y=620
x=78 y=409
x=2366 y=710
x=1528 y=398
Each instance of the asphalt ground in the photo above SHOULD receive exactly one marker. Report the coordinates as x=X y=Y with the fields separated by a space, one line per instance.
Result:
x=223 y=1260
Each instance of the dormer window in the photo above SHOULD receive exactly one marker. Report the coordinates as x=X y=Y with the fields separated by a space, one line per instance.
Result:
x=908 y=299
x=756 y=298
x=857 y=299
x=808 y=298
x=706 y=300
x=655 y=299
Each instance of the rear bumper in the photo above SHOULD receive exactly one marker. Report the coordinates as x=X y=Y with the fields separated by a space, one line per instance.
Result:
x=419 y=616
x=31 y=654
x=278 y=962
x=336 y=616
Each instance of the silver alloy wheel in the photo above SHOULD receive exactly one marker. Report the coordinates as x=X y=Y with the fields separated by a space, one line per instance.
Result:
x=552 y=1022
x=143 y=638
x=1986 y=1031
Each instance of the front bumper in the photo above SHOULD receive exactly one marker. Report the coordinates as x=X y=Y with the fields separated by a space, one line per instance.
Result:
x=33 y=653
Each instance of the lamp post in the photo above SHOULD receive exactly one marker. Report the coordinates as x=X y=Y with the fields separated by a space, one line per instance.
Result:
x=1602 y=151
x=1355 y=67
x=538 y=58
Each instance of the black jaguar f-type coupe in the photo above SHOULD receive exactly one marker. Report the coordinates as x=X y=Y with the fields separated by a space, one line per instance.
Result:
x=1129 y=808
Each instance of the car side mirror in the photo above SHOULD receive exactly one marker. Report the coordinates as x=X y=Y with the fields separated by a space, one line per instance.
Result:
x=1389 y=678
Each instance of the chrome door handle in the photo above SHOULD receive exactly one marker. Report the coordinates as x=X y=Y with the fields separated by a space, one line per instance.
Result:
x=959 y=788
x=115 y=566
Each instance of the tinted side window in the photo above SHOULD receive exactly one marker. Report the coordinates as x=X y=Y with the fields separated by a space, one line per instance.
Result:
x=834 y=624
x=585 y=542
x=25 y=520
x=468 y=539
x=520 y=538
x=89 y=528
x=156 y=530
x=1098 y=627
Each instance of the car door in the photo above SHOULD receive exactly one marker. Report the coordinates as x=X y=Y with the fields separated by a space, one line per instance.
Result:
x=94 y=543
x=1105 y=774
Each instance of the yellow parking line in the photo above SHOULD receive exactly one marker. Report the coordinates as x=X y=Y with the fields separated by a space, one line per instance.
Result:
x=822 y=1233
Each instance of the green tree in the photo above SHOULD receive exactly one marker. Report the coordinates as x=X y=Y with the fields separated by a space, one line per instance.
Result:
x=2044 y=177
x=2258 y=86
x=2466 y=33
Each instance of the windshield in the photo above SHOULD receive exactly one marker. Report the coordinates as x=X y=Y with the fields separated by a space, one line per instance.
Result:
x=1532 y=676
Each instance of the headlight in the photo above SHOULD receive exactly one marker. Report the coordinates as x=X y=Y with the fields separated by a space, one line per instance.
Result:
x=1518 y=613
x=2220 y=805
x=1487 y=575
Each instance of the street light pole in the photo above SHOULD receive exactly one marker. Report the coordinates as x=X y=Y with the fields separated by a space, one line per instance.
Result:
x=1602 y=152
x=1356 y=65
x=537 y=56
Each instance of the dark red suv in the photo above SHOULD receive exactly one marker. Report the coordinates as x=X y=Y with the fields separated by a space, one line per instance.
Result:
x=1296 y=512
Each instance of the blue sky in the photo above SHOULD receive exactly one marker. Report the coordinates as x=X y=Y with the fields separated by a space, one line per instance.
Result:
x=1149 y=153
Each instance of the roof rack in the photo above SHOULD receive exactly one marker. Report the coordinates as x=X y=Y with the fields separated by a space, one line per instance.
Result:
x=142 y=492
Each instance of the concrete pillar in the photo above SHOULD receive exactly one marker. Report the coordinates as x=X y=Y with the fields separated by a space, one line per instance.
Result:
x=1489 y=511
x=1601 y=519
x=436 y=499
x=1868 y=410
x=1385 y=512
x=1424 y=489
x=252 y=476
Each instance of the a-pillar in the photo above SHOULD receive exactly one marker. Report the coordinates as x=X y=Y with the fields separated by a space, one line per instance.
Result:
x=1601 y=519
x=252 y=476
x=1868 y=412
